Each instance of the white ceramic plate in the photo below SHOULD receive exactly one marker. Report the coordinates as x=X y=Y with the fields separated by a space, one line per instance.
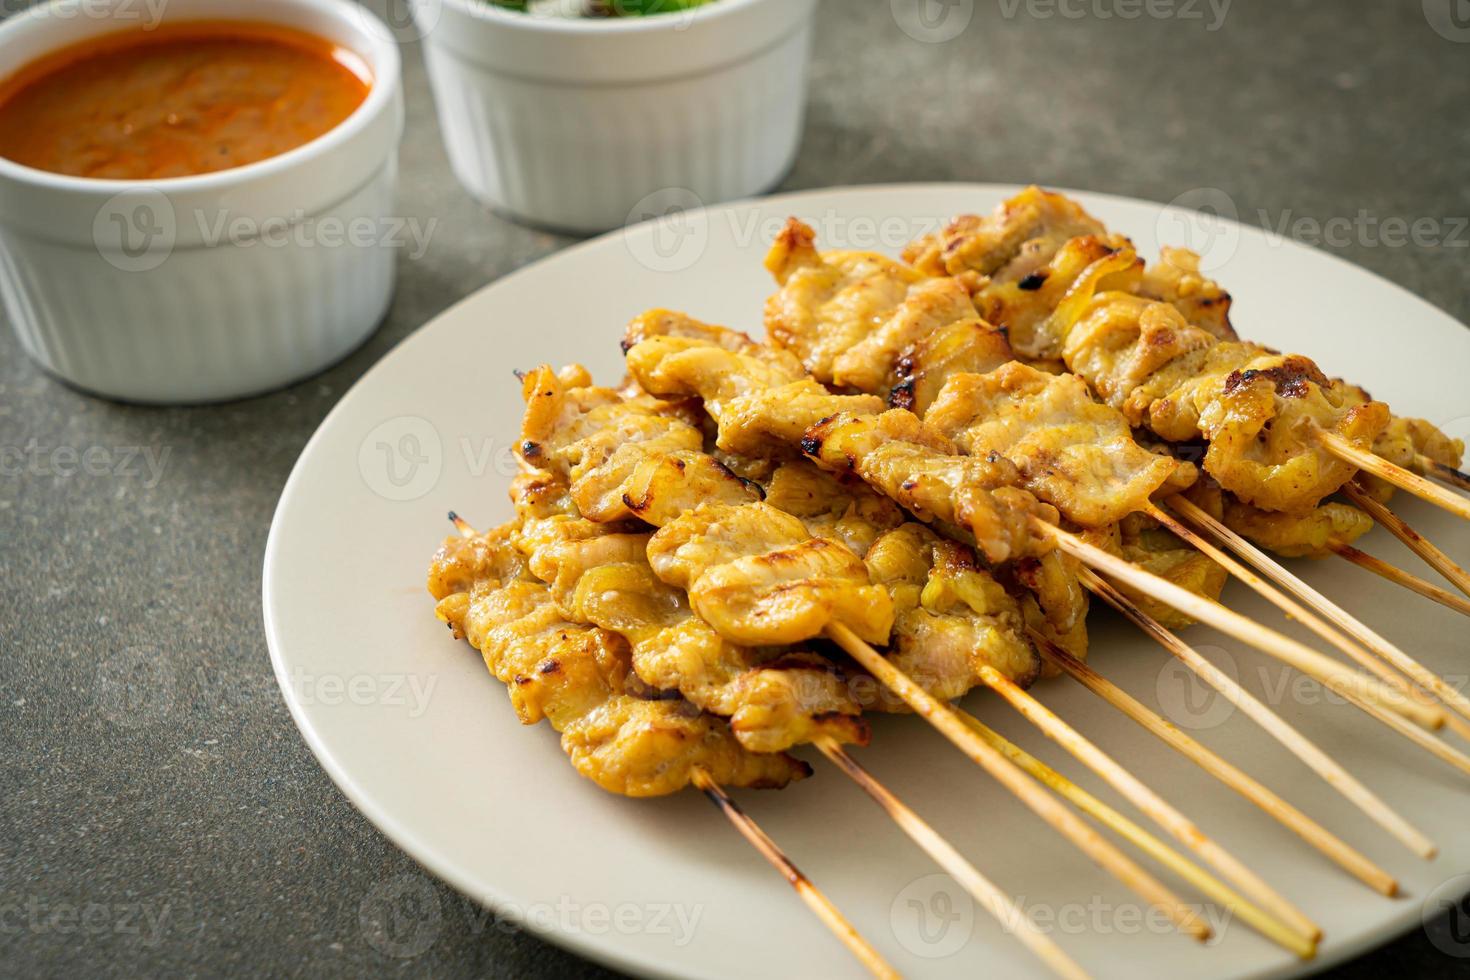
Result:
x=409 y=724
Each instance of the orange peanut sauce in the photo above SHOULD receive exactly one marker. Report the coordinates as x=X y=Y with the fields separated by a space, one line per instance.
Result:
x=178 y=100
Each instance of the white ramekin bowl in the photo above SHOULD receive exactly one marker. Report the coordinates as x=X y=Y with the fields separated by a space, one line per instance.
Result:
x=576 y=124
x=215 y=286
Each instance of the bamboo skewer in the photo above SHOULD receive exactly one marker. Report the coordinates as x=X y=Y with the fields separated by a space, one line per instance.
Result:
x=1400 y=577
x=1226 y=772
x=1295 y=610
x=1416 y=543
x=1411 y=668
x=1000 y=905
x=1162 y=812
x=1335 y=675
x=1299 y=745
x=1040 y=802
x=1425 y=466
x=1395 y=474
x=820 y=905
x=1207 y=883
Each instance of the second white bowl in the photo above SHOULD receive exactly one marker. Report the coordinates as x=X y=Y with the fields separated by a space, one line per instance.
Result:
x=582 y=124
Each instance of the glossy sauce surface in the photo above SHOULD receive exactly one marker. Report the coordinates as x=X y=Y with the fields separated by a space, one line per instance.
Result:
x=179 y=100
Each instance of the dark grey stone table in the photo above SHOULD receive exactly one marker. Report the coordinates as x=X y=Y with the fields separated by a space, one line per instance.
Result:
x=178 y=824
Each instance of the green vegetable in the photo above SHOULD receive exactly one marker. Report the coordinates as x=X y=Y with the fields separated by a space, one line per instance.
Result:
x=645 y=8
x=605 y=8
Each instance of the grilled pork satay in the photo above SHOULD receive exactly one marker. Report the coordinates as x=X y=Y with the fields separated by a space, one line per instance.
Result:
x=1077 y=455
x=962 y=603
x=848 y=511
x=1072 y=452
x=1311 y=534
x=1407 y=442
x=1039 y=312
x=1081 y=457
x=636 y=584
x=601 y=576
x=963 y=347
x=1031 y=251
x=939 y=345
x=1014 y=242
x=580 y=679
x=759 y=577
x=975 y=245
x=1175 y=279
x=796 y=586
x=893 y=451
x=1144 y=542
x=849 y=315
x=951 y=615
x=974 y=497
x=829 y=302
x=1257 y=409
x=1025 y=308
x=1045 y=587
